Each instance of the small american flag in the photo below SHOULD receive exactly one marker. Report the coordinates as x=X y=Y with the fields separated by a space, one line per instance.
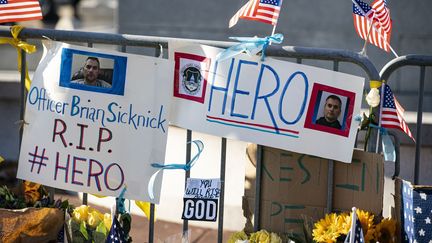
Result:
x=392 y=113
x=266 y=11
x=116 y=233
x=19 y=10
x=357 y=234
x=382 y=15
x=364 y=16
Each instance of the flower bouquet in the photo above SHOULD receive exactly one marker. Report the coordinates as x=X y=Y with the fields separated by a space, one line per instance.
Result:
x=29 y=215
x=262 y=236
x=87 y=225
x=335 y=227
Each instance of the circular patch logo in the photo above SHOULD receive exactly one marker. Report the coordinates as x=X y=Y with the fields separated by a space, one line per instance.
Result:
x=192 y=78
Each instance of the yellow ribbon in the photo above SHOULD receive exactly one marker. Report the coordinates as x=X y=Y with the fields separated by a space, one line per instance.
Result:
x=144 y=206
x=98 y=196
x=375 y=84
x=19 y=45
x=1 y=159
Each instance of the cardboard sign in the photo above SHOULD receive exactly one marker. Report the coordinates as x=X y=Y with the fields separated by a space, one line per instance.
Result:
x=201 y=198
x=294 y=187
x=95 y=121
x=275 y=103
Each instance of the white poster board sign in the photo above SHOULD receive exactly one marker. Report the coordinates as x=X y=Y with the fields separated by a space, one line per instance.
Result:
x=274 y=103
x=201 y=199
x=202 y=188
x=96 y=120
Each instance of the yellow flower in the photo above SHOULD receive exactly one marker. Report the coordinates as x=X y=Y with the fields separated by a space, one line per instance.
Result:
x=94 y=218
x=385 y=231
x=346 y=223
x=80 y=213
x=274 y=238
x=107 y=220
x=328 y=229
x=261 y=236
x=241 y=235
x=368 y=226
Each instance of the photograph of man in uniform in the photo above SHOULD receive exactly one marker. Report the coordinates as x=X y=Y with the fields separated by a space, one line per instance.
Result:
x=90 y=72
x=332 y=110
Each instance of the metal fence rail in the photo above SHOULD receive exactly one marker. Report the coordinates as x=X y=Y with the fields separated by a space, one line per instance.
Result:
x=422 y=62
x=300 y=53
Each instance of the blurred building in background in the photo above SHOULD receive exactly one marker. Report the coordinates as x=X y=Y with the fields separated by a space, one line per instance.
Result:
x=307 y=23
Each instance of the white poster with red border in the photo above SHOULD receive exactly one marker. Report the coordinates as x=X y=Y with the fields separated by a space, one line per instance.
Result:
x=273 y=103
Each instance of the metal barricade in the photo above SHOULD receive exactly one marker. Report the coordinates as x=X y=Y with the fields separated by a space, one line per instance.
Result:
x=123 y=41
x=421 y=61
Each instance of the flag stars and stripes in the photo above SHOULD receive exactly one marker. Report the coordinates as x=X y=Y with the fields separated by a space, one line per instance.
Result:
x=392 y=114
x=365 y=10
x=356 y=232
x=272 y=2
x=373 y=23
x=427 y=220
x=266 y=11
x=19 y=10
x=421 y=232
x=423 y=196
x=116 y=234
x=418 y=210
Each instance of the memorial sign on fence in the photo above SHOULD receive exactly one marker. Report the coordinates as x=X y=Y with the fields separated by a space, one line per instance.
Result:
x=95 y=120
x=201 y=199
x=274 y=103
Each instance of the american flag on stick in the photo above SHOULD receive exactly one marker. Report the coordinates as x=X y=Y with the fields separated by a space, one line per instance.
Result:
x=266 y=11
x=392 y=113
x=19 y=10
x=373 y=23
x=382 y=15
x=355 y=235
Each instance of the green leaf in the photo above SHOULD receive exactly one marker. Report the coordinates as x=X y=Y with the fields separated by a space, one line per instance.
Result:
x=73 y=232
x=83 y=230
x=99 y=237
x=64 y=204
x=101 y=228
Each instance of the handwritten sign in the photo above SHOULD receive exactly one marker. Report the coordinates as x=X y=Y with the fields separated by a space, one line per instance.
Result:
x=200 y=200
x=95 y=121
x=275 y=103
x=287 y=174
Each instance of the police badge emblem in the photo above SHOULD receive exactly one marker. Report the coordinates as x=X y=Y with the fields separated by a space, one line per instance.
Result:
x=190 y=76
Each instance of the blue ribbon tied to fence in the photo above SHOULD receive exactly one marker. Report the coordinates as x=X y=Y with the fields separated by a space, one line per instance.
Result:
x=387 y=144
x=120 y=202
x=250 y=45
x=200 y=146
